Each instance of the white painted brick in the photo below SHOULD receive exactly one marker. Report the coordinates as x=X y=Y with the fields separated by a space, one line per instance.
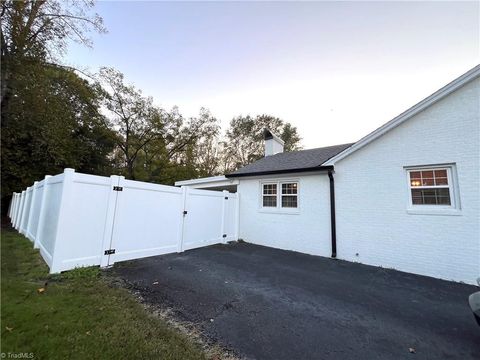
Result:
x=372 y=197
x=372 y=194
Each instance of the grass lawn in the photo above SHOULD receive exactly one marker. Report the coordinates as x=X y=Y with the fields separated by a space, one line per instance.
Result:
x=78 y=315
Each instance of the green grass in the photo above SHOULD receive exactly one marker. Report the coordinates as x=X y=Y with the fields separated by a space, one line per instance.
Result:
x=78 y=316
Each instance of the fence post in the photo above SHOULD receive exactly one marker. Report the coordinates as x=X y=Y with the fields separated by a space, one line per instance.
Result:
x=32 y=206
x=109 y=221
x=182 y=214
x=237 y=217
x=65 y=212
x=223 y=238
x=41 y=213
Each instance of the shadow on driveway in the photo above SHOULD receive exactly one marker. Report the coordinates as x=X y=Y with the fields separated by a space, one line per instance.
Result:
x=273 y=304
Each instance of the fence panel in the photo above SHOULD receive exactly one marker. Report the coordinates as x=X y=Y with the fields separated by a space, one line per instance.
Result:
x=83 y=220
x=35 y=212
x=18 y=217
x=26 y=210
x=47 y=230
x=82 y=223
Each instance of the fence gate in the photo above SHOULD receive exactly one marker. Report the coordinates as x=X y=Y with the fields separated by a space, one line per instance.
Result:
x=151 y=219
x=203 y=218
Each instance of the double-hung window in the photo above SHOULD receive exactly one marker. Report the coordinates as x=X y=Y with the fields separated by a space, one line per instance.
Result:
x=290 y=195
x=432 y=188
x=270 y=195
x=279 y=195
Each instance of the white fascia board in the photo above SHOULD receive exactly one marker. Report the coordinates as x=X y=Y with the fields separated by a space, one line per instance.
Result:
x=208 y=181
x=422 y=105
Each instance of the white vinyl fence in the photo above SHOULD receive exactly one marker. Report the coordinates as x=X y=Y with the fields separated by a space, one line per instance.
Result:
x=82 y=220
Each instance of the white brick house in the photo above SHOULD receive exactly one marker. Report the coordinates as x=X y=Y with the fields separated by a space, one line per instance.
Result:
x=406 y=196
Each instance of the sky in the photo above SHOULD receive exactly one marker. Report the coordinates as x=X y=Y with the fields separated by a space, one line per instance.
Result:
x=335 y=70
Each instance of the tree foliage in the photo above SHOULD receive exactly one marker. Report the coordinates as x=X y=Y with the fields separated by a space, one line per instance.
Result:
x=244 y=139
x=49 y=114
x=37 y=31
x=54 y=123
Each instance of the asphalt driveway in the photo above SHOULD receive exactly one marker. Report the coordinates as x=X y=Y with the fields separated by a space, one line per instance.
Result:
x=271 y=304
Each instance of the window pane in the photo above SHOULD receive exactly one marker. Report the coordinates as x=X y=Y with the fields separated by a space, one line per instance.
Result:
x=427 y=174
x=441 y=181
x=289 y=201
x=269 y=189
x=429 y=178
x=269 y=201
x=415 y=175
x=443 y=196
x=441 y=173
x=427 y=181
x=415 y=182
x=417 y=198
x=431 y=196
x=290 y=188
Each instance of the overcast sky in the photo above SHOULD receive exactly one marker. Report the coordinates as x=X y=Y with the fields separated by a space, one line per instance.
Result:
x=336 y=70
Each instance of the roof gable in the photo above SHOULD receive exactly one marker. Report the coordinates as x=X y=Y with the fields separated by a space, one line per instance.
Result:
x=408 y=114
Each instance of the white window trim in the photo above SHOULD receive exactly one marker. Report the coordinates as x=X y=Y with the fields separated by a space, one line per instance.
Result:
x=452 y=209
x=279 y=209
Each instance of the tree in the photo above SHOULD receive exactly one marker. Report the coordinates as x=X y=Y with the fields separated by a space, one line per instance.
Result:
x=34 y=31
x=134 y=117
x=244 y=139
x=54 y=124
x=49 y=114
x=181 y=151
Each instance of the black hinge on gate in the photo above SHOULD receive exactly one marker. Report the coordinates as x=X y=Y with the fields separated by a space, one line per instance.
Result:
x=117 y=188
x=185 y=212
x=109 y=251
x=224 y=235
x=226 y=197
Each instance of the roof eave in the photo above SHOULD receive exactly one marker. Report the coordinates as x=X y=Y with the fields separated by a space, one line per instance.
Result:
x=279 y=172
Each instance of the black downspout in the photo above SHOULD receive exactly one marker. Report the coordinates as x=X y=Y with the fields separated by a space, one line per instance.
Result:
x=332 y=214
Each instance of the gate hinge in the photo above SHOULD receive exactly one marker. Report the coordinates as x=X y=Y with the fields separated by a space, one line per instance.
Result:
x=224 y=235
x=109 y=251
x=185 y=212
x=226 y=197
x=117 y=188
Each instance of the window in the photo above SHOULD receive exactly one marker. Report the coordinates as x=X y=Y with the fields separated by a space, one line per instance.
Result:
x=432 y=188
x=289 y=195
x=269 y=195
x=280 y=195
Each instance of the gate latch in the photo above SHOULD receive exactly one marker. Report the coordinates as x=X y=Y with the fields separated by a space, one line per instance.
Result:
x=109 y=251
x=185 y=212
x=117 y=188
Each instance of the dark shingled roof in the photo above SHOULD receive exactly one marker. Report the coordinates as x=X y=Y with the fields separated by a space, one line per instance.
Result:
x=303 y=160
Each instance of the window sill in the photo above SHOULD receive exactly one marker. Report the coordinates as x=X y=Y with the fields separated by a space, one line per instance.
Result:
x=441 y=212
x=279 y=211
